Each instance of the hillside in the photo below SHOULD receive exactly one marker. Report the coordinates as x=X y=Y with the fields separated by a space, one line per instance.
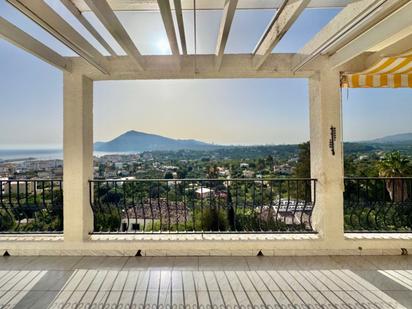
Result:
x=134 y=141
x=394 y=139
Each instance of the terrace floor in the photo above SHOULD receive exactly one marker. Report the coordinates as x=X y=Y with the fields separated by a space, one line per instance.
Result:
x=158 y=282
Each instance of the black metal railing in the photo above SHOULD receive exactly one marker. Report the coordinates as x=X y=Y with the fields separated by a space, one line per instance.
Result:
x=31 y=206
x=378 y=204
x=203 y=205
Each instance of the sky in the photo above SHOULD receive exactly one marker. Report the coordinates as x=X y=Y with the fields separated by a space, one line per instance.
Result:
x=233 y=111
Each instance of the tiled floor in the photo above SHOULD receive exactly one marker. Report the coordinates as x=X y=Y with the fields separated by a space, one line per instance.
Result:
x=206 y=282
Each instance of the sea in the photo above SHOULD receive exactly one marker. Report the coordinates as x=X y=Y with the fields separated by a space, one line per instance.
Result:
x=37 y=154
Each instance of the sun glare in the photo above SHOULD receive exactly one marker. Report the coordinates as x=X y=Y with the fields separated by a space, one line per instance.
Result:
x=163 y=46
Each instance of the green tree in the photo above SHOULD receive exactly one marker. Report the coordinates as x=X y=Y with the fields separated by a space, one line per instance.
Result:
x=360 y=168
x=212 y=172
x=302 y=169
x=270 y=161
x=168 y=175
x=261 y=164
x=394 y=164
x=181 y=174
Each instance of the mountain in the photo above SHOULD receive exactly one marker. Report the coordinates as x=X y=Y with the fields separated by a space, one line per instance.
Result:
x=394 y=139
x=134 y=141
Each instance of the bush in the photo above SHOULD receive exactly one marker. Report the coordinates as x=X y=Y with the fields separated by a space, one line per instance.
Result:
x=107 y=221
x=213 y=220
x=6 y=222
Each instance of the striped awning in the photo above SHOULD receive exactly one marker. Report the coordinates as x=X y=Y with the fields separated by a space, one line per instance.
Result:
x=390 y=72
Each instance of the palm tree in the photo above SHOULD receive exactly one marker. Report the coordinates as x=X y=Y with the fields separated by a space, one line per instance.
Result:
x=393 y=164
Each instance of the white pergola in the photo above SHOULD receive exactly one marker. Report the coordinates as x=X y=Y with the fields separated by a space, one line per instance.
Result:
x=364 y=32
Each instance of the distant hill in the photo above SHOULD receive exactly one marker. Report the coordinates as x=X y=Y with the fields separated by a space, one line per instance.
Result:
x=394 y=139
x=135 y=141
x=139 y=141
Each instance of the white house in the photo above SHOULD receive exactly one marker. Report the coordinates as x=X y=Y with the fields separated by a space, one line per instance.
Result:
x=203 y=192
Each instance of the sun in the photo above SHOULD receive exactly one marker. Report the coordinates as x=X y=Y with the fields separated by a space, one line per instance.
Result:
x=163 y=46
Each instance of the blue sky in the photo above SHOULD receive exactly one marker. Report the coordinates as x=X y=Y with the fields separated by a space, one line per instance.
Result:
x=243 y=111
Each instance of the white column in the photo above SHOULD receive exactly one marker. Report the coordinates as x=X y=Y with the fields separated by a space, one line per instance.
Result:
x=78 y=156
x=325 y=113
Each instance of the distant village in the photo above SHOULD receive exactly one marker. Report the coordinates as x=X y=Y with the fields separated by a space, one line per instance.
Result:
x=245 y=162
x=149 y=165
x=290 y=206
x=172 y=169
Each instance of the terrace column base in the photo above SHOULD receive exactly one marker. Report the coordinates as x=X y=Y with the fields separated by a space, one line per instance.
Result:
x=326 y=154
x=78 y=156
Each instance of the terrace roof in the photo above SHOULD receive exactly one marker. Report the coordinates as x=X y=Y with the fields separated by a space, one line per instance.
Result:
x=363 y=32
x=149 y=5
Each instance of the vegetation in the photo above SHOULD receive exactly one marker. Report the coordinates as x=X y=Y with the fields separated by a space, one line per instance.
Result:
x=23 y=213
x=393 y=164
x=180 y=206
x=380 y=204
x=302 y=169
x=376 y=205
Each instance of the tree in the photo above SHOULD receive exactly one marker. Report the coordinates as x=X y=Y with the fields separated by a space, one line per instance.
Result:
x=169 y=175
x=302 y=169
x=360 y=168
x=212 y=172
x=230 y=211
x=181 y=174
x=270 y=161
x=261 y=164
x=394 y=164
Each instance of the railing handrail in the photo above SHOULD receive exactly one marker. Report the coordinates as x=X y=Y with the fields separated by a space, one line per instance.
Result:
x=31 y=206
x=31 y=179
x=234 y=205
x=378 y=204
x=377 y=178
x=204 y=179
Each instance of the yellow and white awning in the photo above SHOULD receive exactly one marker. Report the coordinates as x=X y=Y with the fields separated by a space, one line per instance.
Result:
x=390 y=72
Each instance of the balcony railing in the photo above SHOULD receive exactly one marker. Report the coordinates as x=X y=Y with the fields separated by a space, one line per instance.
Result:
x=203 y=205
x=378 y=204
x=206 y=205
x=31 y=206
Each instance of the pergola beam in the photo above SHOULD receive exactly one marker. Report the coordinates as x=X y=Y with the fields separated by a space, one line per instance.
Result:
x=151 y=5
x=105 y=14
x=352 y=21
x=226 y=23
x=21 y=39
x=166 y=13
x=48 y=19
x=164 y=67
x=402 y=46
x=79 y=16
x=399 y=22
x=280 y=24
x=180 y=24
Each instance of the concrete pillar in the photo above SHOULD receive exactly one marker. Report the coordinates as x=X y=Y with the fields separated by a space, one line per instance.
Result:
x=78 y=156
x=326 y=165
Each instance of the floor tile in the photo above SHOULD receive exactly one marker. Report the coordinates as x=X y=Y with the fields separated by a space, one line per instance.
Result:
x=349 y=281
